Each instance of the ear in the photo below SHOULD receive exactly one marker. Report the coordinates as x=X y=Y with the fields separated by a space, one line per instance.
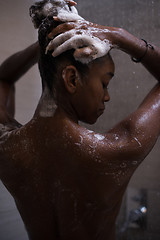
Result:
x=70 y=76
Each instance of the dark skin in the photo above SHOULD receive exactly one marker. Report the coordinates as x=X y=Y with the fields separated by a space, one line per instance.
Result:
x=68 y=182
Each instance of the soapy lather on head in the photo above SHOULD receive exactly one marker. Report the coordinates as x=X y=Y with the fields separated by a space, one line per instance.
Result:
x=52 y=8
x=87 y=46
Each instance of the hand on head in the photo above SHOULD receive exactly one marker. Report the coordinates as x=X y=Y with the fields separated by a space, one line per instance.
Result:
x=88 y=39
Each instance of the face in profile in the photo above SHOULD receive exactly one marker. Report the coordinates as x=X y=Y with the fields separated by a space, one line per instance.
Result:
x=93 y=91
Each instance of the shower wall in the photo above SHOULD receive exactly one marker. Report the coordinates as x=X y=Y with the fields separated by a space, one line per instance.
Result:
x=128 y=88
x=17 y=32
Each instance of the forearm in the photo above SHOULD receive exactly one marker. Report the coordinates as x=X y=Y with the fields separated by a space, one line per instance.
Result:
x=10 y=71
x=117 y=38
x=18 y=64
x=137 y=48
x=7 y=98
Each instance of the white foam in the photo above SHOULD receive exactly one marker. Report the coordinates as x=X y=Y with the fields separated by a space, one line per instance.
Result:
x=60 y=9
x=138 y=141
x=155 y=106
x=93 y=47
x=47 y=106
x=98 y=48
x=47 y=9
x=99 y=137
x=74 y=10
x=67 y=16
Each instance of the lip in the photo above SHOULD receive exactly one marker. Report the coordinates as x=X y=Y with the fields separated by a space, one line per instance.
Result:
x=101 y=110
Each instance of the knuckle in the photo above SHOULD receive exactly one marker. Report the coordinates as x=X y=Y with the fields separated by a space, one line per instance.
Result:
x=79 y=32
x=84 y=27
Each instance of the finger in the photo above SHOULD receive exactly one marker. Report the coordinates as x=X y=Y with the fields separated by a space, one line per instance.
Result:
x=55 y=19
x=84 y=52
x=61 y=29
x=59 y=40
x=74 y=10
x=68 y=16
x=73 y=43
x=84 y=55
x=62 y=48
x=71 y=3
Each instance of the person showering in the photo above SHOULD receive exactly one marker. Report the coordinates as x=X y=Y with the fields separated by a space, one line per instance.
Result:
x=67 y=181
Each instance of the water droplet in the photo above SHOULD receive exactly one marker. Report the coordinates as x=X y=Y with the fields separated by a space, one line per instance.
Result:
x=134 y=162
x=123 y=165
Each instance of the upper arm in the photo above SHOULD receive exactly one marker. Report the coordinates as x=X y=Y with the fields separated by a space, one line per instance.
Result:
x=138 y=133
x=7 y=107
x=7 y=99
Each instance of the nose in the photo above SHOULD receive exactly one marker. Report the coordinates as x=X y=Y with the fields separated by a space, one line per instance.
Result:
x=106 y=96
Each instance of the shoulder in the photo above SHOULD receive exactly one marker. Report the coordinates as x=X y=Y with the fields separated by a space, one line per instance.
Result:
x=110 y=149
x=110 y=144
x=102 y=157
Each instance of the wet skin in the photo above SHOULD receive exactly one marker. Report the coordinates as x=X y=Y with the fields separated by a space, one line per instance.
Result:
x=92 y=92
x=67 y=181
x=69 y=185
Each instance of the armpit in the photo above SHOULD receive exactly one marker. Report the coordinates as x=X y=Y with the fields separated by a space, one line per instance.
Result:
x=6 y=128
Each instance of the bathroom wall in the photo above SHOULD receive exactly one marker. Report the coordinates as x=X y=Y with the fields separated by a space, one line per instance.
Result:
x=128 y=88
x=17 y=32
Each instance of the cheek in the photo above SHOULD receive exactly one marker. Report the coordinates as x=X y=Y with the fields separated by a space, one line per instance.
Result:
x=91 y=97
x=98 y=93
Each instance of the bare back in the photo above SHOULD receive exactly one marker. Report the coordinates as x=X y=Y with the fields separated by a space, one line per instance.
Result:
x=67 y=181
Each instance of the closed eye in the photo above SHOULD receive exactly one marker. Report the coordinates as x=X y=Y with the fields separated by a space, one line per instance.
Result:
x=105 y=86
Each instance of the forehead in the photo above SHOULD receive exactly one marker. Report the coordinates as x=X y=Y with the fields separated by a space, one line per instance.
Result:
x=102 y=66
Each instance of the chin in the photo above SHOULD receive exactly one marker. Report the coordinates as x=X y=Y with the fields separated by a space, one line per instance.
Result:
x=90 y=121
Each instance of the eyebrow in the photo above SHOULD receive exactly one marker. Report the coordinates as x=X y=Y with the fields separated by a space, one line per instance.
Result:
x=110 y=74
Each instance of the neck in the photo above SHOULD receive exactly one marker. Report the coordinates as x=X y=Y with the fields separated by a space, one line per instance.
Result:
x=47 y=107
x=67 y=113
